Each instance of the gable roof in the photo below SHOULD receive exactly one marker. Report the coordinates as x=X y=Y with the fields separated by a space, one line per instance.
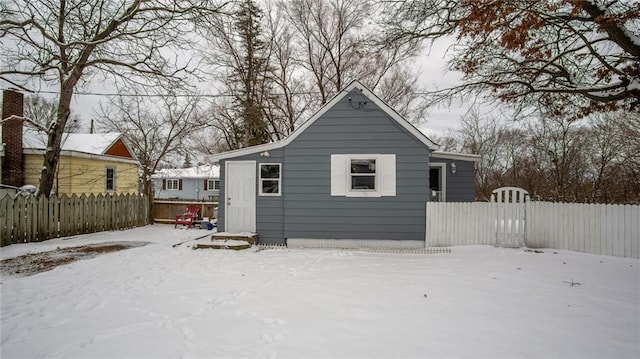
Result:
x=89 y=143
x=357 y=85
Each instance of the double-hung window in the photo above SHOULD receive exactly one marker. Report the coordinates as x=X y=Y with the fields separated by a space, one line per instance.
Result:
x=270 y=179
x=213 y=185
x=172 y=184
x=110 y=175
x=362 y=175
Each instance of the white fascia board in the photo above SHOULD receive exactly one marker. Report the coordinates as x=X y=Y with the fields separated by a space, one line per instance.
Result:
x=32 y=151
x=245 y=151
x=326 y=107
x=455 y=156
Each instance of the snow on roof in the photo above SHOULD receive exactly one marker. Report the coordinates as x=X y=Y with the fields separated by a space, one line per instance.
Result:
x=203 y=171
x=93 y=143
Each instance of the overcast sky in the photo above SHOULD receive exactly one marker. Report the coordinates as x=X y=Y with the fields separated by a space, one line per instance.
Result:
x=433 y=75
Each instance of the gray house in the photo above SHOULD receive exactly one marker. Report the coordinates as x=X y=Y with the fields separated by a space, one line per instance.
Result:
x=355 y=174
x=200 y=183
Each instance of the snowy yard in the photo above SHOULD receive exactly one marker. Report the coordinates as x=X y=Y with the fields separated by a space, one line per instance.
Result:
x=160 y=301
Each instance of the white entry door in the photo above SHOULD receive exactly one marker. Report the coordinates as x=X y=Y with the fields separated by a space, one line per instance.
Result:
x=240 y=196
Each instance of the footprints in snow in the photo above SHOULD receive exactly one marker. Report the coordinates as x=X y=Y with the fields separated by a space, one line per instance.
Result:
x=271 y=321
x=272 y=324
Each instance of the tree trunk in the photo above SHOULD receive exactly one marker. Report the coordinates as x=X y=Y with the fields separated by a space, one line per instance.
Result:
x=55 y=132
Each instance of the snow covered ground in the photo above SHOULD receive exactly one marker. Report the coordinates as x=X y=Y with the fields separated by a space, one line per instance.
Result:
x=160 y=301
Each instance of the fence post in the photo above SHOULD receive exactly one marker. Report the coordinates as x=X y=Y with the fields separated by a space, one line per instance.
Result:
x=6 y=219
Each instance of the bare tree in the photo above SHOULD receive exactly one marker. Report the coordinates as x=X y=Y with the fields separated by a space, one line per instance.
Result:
x=569 y=58
x=337 y=43
x=615 y=157
x=559 y=146
x=554 y=159
x=69 y=43
x=490 y=136
x=292 y=99
x=155 y=127
x=42 y=112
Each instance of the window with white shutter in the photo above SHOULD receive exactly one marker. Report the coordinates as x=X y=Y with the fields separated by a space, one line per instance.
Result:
x=356 y=175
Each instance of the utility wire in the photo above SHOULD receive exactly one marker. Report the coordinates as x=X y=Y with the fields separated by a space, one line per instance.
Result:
x=108 y=94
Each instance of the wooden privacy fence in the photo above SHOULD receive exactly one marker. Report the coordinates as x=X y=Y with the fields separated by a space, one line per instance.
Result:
x=30 y=219
x=165 y=211
x=590 y=228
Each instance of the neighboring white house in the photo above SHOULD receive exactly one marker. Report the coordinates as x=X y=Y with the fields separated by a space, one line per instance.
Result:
x=193 y=183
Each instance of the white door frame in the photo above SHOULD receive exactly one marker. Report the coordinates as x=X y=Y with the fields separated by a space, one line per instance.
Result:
x=249 y=195
x=443 y=179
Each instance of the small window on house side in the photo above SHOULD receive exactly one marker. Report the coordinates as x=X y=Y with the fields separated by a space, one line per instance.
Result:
x=270 y=179
x=173 y=185
x=363 y=174
x=213 y=185
x=110 y=179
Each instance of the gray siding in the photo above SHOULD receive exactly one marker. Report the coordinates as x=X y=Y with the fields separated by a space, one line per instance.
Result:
x=309 y=209
x=269 y=210
x=461 y=185
x=306 y=208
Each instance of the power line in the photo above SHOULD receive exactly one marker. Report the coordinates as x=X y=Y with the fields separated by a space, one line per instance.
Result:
x=113 y=94
x=108 y=94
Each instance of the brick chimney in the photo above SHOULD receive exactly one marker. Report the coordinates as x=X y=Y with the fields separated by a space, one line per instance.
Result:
x=12 y=164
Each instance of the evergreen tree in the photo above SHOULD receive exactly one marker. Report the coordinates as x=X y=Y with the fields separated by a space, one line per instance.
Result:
x=187 y=161
x=251 y=74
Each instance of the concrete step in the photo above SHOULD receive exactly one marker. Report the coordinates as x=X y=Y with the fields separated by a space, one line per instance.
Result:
x=251 y=238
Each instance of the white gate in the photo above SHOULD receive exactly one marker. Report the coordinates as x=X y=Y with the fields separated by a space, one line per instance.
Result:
x=510 y=216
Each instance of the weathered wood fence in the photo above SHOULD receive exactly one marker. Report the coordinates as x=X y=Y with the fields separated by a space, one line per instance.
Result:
x=590 y=228
x=165 y=211
x=31 y=219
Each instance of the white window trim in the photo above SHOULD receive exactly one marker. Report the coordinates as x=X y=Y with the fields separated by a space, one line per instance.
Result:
x=106 y=179
x=177 y=181
x=260 y=193
x=214 y=181
x=385 y=176
x=443 y=178
x=350 y=192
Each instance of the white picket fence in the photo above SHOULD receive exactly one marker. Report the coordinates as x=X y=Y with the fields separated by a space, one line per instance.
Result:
x=590 y=228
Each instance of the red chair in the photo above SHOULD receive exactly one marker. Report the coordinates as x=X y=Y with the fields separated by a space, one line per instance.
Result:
x=188 y=217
